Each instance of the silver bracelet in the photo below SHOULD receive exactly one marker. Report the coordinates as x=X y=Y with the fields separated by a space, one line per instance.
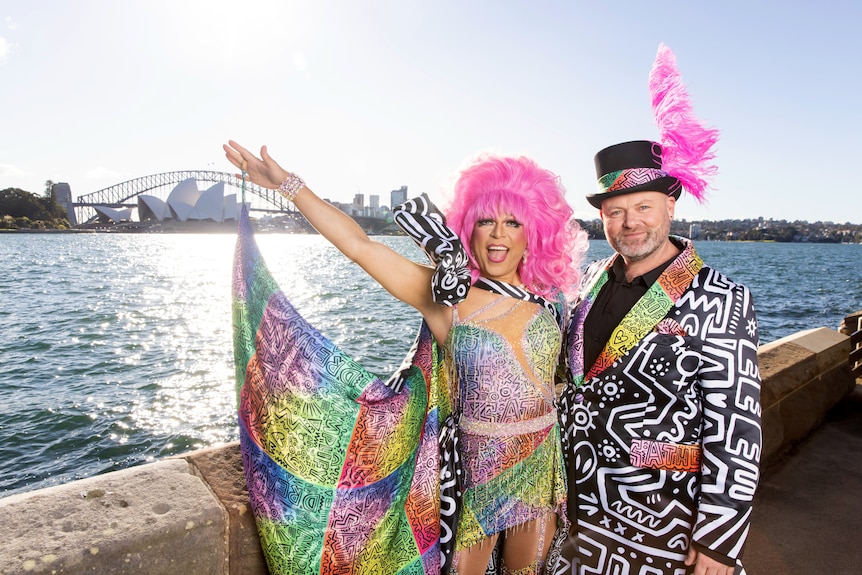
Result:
x=291 y=186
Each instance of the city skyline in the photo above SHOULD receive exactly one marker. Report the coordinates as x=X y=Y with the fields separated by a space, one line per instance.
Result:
x=368 y=97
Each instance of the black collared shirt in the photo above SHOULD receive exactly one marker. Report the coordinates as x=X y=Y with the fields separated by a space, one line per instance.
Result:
x=613 y=302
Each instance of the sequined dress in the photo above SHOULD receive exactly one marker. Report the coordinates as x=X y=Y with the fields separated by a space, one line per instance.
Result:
x=503 y=357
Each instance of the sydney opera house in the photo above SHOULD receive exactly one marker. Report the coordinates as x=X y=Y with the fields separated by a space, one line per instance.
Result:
x=185 y=203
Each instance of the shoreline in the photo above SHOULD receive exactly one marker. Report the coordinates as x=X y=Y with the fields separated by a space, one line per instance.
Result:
x=231 y=229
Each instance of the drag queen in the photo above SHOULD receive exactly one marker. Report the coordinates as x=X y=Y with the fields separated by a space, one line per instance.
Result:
x=506 y=255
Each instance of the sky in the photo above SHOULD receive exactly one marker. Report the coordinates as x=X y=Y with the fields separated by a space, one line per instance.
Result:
x=368 y=96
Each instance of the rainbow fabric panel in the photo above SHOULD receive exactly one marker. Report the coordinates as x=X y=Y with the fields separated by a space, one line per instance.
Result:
x=342 y=468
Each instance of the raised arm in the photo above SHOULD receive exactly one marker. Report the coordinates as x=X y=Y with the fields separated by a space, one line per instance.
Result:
x=408 y=281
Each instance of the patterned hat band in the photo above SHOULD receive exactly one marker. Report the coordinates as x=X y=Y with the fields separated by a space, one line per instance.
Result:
x=629 y=178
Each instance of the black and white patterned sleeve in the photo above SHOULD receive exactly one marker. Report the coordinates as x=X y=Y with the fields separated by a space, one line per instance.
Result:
x=421 y=220
x=731 y=440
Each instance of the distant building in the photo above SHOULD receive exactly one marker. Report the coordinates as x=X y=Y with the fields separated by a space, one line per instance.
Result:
x=346 y=208
x=694 y=231
x=186 y=202
x=374 y=201
x=359 y=200
x=113 y=215
x=62 y=194
x=398 y=197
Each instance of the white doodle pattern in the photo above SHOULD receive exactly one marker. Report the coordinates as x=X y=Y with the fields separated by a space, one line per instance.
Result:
x=703 y=389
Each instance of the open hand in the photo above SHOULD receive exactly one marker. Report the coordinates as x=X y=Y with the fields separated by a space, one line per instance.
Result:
x=263 y=171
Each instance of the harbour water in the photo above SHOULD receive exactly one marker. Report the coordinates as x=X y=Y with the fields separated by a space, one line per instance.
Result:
x=116 y=349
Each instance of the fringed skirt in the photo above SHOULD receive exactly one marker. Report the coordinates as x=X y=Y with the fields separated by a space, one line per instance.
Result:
x=511 y=477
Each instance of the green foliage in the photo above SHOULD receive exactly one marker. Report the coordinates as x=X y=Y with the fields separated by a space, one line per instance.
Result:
x=759 y=230
x=27 y=210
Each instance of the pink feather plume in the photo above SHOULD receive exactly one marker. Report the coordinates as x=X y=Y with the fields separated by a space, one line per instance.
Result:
x=686 y=143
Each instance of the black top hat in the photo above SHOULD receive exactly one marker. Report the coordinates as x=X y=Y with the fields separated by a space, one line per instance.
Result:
x=632 y=167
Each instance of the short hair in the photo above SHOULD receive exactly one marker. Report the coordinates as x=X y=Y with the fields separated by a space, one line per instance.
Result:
x=494 y=185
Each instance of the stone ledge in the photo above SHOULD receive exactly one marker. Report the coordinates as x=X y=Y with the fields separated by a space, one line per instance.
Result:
x=851 y=323
x=784 y=368
x=221 y=468
x=157 y=518
x=804 y=376
x=829 y=346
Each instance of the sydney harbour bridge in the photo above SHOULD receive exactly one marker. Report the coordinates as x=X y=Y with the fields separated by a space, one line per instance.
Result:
x=124 y=194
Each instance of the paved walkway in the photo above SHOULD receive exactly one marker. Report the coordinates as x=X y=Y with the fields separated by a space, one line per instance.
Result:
x=808 y=509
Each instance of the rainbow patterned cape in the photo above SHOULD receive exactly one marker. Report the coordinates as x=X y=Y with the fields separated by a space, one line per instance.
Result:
x=342 y=468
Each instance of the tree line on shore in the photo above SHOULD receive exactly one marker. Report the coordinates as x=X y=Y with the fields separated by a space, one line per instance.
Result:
x=24 y=210
x=20 y=209
x=754 y=230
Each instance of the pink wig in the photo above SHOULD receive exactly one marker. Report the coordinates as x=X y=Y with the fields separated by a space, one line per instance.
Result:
x=495 y=185
x=686 y=143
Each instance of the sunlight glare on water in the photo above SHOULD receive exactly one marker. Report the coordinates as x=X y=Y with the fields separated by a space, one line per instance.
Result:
x=191 y=305
x=117 y=349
